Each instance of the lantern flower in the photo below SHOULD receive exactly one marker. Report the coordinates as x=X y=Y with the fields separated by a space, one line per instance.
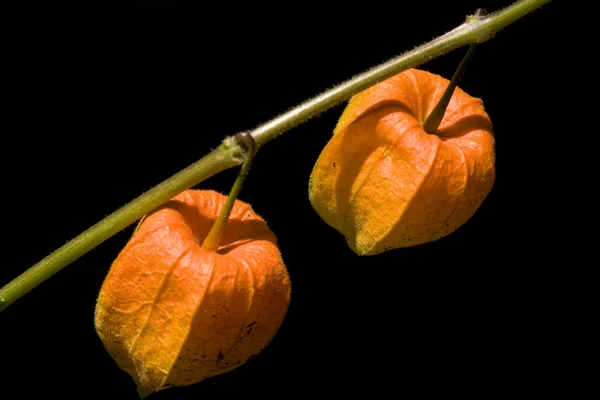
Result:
x=175 y=309
x=385 y=182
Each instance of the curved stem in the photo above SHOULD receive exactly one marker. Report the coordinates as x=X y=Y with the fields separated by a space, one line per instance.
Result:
x=212 y=241
x=475 y=29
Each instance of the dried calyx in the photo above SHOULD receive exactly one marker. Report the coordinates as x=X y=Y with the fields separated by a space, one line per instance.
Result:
x=385 y=182
x=190 y=297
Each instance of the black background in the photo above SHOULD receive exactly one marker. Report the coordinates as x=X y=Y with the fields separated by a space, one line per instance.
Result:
x=105 y=101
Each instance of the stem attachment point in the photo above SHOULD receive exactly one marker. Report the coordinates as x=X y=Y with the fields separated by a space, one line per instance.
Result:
x=434 y=119
x=248 y=145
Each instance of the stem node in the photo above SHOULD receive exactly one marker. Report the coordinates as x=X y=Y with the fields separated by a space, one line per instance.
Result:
x=247 y=142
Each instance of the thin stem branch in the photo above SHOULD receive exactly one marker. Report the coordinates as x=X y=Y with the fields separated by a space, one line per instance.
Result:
x=213 y=239
x=432 y=122
x=475 y=29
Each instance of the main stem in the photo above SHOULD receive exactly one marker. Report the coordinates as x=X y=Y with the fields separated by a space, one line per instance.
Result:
x=220 y=159
x=476 y=29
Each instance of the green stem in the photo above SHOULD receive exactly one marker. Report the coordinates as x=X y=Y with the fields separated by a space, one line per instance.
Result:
x=434 y=119
x=223 y=157
x=211 y=243
x=475 y=29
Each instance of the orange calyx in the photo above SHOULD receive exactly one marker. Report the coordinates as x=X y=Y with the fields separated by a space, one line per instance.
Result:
x=171 y=313
x=385 y=183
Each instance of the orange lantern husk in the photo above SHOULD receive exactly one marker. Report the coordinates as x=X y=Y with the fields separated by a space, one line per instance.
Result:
x=171 y=313
x=384 y=183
